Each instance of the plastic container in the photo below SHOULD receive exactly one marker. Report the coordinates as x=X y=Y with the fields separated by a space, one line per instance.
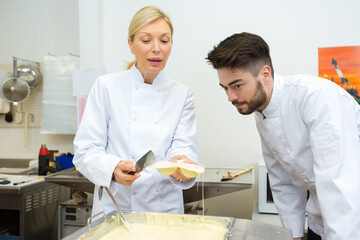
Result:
x=65 y=161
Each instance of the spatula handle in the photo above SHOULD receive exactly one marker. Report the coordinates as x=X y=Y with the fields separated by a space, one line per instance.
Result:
x=242 y=172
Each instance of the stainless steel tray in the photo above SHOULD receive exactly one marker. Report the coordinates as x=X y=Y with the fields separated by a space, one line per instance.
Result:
x=142 y=217
x=240 y=229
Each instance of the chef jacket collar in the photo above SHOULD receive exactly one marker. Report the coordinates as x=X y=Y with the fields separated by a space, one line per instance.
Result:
x=275 y=98
x=139 y=78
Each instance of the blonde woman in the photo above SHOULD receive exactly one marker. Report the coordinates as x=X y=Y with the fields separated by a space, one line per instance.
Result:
x=131 y=112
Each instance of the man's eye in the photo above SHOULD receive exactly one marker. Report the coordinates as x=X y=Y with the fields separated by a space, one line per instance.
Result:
x=237 y=86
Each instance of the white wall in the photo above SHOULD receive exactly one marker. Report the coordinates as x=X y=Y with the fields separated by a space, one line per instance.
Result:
x=29 y=30
x=293 y=29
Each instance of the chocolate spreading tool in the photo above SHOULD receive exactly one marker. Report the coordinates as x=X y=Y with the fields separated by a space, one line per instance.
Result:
x=121 y=214
x=232 y=176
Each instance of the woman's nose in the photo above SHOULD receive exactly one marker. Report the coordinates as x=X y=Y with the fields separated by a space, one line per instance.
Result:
x=156 y=47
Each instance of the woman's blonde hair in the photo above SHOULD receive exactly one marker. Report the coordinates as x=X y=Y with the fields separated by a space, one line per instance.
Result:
x=144 y=17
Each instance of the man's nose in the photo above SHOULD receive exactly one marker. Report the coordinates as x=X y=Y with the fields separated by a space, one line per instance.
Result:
x=231 y=96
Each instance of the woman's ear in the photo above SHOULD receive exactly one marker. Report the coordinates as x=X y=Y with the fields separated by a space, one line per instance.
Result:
x=130 y=45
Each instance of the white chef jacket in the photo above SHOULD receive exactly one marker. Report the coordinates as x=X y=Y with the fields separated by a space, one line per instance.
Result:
x=123 y=119
x=310 y=134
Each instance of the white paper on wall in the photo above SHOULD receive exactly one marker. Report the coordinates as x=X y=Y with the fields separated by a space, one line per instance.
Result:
x=83 y=79
x=59 y=107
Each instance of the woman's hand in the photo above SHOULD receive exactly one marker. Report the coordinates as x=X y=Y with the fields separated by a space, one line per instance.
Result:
x=178 y=174
x=121 y=175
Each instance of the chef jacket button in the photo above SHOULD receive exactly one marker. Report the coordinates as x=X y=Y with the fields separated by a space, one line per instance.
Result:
x=135 y=119
x=133 y=193
x=157 y=190
x=136 y=87
x=156 y=122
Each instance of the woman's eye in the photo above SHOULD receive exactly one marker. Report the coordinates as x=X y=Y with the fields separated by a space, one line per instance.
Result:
x=145 y=40
x=164 y=41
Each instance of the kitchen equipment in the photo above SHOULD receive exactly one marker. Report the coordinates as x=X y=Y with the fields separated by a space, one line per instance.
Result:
x=237 y=229
x=9 y=114
x=25 y=128
x=21 y=182
x=65 y=160
x=44 y=160
x=121 y=214
x=174 y=226
x=73 y=217
x=232 y=176
x=265 y=198
x=30 y=74
x=4 y=182
x=29 y=211
x=15 y=89
x=143 y=162
x=17 y=166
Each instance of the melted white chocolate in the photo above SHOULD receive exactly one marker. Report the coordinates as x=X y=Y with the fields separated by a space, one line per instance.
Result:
x=159 y=226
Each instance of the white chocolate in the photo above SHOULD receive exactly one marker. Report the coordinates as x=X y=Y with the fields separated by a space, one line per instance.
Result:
x=161 y=227
x=188 y=169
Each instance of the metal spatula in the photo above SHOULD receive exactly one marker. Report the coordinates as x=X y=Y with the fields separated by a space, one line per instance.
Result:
x=121 y=214
x=143 y=162
x=232 y=176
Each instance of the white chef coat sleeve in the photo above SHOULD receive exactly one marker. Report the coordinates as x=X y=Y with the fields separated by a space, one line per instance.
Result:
x=90 y=141
x=290 y=200
x=335 y=144
x=184 y=139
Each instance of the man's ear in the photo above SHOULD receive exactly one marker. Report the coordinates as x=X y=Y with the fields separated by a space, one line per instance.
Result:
x=266 y=73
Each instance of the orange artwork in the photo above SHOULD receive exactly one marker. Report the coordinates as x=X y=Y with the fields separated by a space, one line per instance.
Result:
x=342 y=66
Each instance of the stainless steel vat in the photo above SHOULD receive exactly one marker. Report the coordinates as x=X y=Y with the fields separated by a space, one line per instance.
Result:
x=238 y=229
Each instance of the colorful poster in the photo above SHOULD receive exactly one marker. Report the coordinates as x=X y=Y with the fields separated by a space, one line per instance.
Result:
x=342 y=66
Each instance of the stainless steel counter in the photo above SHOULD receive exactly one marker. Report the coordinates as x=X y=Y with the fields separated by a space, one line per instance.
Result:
x=72 y=179
x=29 y=210
x=212 y=183
x=245 y=229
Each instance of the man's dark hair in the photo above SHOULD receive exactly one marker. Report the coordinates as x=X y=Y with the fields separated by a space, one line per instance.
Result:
x=244 y=51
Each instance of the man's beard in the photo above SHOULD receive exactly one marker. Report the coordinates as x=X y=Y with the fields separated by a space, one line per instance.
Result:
x=258 y=99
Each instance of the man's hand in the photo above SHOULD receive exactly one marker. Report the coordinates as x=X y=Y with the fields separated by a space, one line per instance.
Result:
x=121 y=175
x=178 y=174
